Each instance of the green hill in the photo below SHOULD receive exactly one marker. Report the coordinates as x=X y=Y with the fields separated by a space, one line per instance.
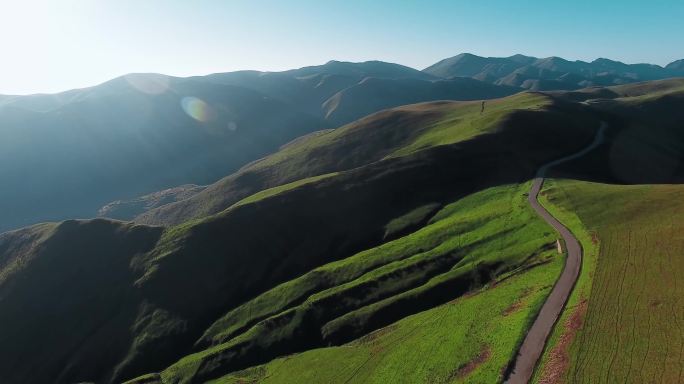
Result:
x=489 y=238
x=383 y=135
x=172 y=284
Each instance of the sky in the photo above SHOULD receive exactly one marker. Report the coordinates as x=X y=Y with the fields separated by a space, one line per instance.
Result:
x=55 y=45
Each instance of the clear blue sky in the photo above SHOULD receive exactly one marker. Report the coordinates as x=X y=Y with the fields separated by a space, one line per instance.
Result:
x=50 y=45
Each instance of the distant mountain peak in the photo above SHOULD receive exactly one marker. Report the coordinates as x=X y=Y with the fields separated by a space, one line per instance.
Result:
x=603 y=60
x=549 y=73
x=554 y=59
x=519 y=58
x=466 y=55
x=677 y=65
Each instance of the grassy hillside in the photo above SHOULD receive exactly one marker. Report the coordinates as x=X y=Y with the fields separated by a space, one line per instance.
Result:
x=66 y=294
x=625 y=326
x=173 y=286
x=470 y=339
x=491 y=235
x=390 y=133
x=374 y=94
x=124 y=209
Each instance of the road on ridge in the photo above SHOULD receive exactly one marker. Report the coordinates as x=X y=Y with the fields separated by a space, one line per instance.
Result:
x=535 y=340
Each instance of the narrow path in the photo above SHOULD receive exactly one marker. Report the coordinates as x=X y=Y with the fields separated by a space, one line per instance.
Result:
x=533 y=345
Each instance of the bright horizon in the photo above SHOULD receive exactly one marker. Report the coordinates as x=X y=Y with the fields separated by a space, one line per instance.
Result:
x=49 y=47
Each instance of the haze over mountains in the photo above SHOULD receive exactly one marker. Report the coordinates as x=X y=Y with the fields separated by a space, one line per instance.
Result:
x=551 y=72
x=67 y=155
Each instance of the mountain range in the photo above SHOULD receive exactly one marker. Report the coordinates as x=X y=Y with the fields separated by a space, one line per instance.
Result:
x=162 y=132
x=333 y=243
x=550 y=73
x=347 y=222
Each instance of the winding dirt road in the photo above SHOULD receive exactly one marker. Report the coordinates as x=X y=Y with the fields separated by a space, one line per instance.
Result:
x=533 y=345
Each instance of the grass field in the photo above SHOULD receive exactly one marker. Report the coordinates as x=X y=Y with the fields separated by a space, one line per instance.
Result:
x=624 y=322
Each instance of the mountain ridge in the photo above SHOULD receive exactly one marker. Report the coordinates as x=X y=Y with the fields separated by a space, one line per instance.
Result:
x=600 y=71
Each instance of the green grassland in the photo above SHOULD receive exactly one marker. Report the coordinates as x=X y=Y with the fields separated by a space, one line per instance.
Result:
x=467 y=122
x=630 y=329
x=488 y=236
x=470 y=339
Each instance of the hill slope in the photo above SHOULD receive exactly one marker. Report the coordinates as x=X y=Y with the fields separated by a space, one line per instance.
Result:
x=374 y=94
x=170 y=285
x=68 y=154
x=376 y=137
x=115 y=141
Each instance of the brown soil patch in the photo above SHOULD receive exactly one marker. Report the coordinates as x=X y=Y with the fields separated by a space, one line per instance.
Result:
x=467 y=369
x=594 y=238
x=518 y=304
x=559 y=358
x=464 y=296
x=515 y=307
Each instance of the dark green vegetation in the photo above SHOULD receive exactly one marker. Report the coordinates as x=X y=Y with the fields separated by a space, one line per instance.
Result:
x=64 y=292
x=551 y=73
x=175 y=287
x=645 y=144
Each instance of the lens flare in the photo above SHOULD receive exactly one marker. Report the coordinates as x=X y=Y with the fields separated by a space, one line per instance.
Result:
x=148 y=83
x=197 y=109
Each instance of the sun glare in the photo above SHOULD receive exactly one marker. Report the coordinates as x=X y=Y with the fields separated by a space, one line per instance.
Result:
x=197 y=109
